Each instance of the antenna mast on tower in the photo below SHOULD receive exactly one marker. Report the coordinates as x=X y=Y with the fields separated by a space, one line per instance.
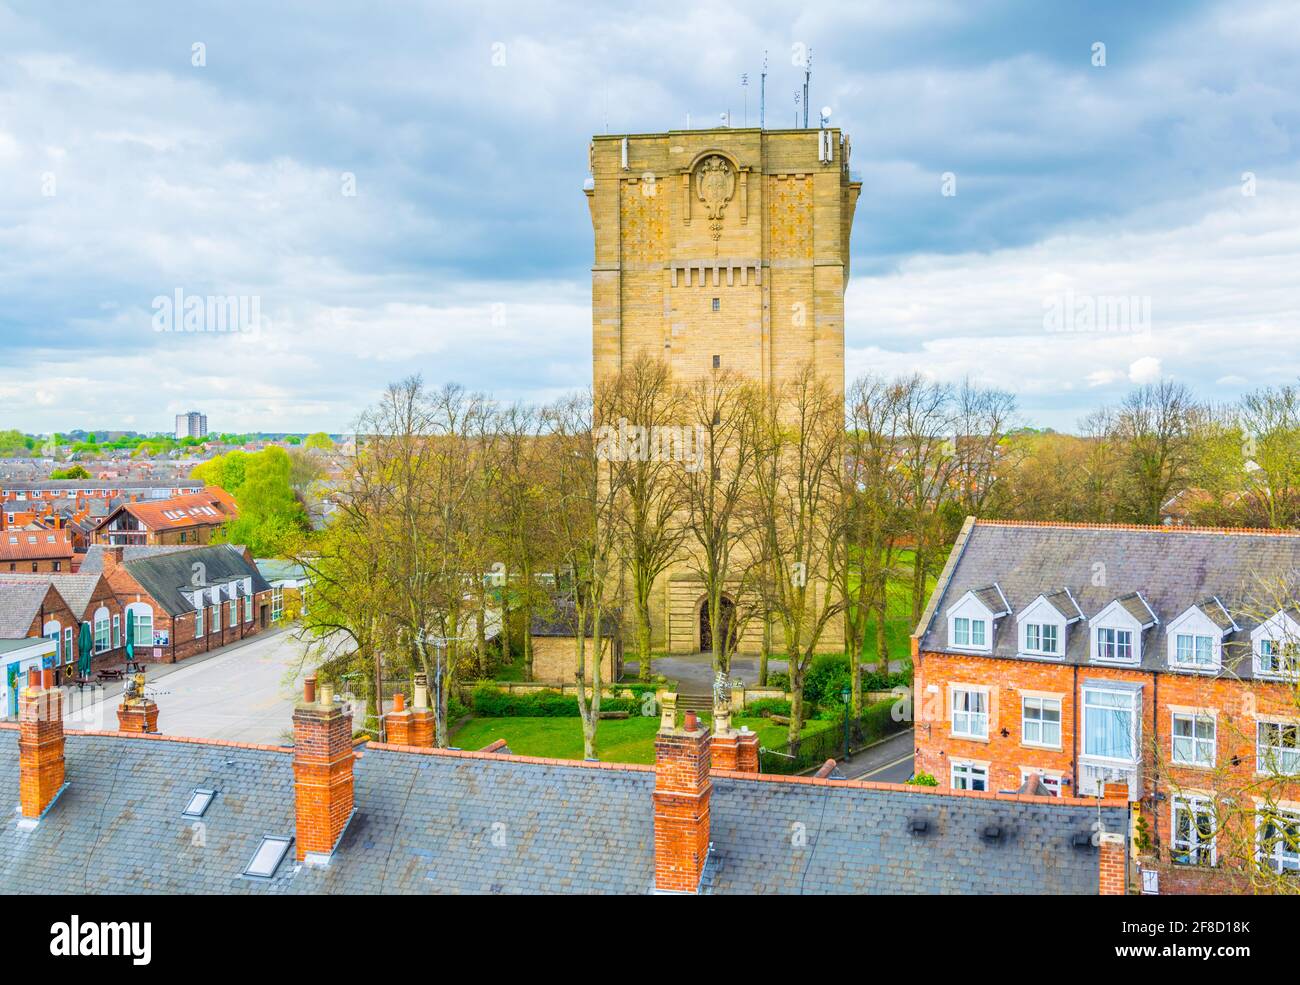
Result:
x=807 y=78
x=762 y=93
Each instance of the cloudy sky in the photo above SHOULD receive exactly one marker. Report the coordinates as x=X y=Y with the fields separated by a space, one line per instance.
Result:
x=399 y=185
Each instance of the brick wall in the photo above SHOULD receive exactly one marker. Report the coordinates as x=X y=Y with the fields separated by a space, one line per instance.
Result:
x=1235 y=705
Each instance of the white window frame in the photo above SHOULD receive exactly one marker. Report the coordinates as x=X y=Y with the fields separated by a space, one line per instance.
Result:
x=117 y=630
x=970 y=717
x=969 y=771
x=1043 y=705
x=1196 y=741
x=1115 y=618
x=1279 y=858
x=233 y=615
x=98 y=623
x=1194 y=624
x=1135 y=710
x=1292 y=752
x=1110 y=645
x=1035 y=636
x=1197 y=805
x=277 y=604
x=67 y=645
x=968 y=612
x=248 y=608
x=198 y=621
x=214 y=624
x=56 y=634
x=1283 y=631
x=141 y=613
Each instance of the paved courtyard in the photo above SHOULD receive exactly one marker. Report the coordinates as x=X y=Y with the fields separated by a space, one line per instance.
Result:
x=242 y=693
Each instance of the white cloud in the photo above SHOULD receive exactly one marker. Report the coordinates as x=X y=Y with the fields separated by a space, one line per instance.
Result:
x=1144 y=370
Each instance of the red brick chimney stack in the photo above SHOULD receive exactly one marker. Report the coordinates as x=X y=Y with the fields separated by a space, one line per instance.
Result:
x=322 y=769
x=422 y=725
x=732 y=749
x=681 y=806
x=1112 y=870
x=397 y=723
x=40 y=744
x=137 y=712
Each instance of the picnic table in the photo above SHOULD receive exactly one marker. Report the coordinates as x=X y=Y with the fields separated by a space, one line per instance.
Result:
x=109 y=674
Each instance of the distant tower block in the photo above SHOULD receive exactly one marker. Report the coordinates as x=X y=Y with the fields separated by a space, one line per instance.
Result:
x=726 y=247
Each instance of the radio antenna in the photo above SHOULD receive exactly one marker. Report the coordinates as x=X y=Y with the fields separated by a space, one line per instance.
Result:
x=807 y=79
x=762 y=93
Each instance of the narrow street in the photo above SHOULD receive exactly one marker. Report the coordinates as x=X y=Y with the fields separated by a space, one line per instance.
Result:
x=242 y=693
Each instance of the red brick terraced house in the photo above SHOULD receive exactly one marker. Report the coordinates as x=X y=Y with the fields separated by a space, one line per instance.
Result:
x=1155 y=662
x=185 y=600
x=54 y=607
x=35 y=550
x=190 y=519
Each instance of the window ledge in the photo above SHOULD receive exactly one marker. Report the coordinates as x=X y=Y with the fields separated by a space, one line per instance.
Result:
x=1039 y=745
x=967 y=738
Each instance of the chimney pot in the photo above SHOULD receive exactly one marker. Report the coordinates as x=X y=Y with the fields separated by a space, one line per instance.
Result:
x=692 y=721
x=309 y=689
x=33 y=677
x=326 y=695
x=47 y=678
x=399 y=701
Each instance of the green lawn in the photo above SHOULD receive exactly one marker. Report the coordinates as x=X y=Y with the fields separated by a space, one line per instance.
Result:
x=629 y=740
x=898 y=610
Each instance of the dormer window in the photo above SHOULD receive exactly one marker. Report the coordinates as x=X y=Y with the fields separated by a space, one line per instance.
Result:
x=1117 y=630
x=1196 y=637
x=971 y=619
x=1275 y=646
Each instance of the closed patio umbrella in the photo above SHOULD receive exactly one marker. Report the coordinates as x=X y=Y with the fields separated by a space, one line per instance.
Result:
x=130 y=638
x=83 y=650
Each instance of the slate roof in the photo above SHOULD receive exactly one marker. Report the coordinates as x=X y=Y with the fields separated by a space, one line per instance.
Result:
x=166 y=575
x=473 y=823
x=1172 y=568
x=20 y=602
x=76 y=590
x=1064 y=603
x=93 y=562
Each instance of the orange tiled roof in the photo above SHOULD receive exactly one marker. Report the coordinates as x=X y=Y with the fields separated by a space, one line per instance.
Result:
x=212 y=506
x=34 y=545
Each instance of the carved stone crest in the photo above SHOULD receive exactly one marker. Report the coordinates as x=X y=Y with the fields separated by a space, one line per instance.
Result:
x=715 y=183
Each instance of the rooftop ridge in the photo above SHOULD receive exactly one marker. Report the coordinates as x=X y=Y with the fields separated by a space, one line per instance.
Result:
x=479 y=754
x=1143 y=527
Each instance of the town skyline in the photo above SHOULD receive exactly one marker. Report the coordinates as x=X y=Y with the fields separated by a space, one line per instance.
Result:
x=1015 y=175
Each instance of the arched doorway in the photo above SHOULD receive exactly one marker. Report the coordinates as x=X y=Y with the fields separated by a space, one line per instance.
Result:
x=727 y=613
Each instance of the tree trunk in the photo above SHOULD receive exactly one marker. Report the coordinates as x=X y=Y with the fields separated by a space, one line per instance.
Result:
x=765 y=652
x=643 y=643
x=480 y=637
x=796 y=706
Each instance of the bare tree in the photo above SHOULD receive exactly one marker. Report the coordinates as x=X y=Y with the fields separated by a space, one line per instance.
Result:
x=520 y=493
x=1153 y=428
x=646 y=443
x=798 y=523
x=721 y=408
x=1270 y=418
x=926 y=460
x=578 y=510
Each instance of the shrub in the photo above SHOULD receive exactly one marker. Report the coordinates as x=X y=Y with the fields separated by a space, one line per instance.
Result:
x=763 y=707
x=827 y=676
x=492 y=702
x=923 y=780
x=780 y=680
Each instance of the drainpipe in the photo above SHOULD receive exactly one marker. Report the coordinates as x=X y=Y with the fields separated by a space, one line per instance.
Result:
x=1074 y=741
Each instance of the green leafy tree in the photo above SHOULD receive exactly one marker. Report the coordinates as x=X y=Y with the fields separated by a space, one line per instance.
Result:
x=319 y=439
